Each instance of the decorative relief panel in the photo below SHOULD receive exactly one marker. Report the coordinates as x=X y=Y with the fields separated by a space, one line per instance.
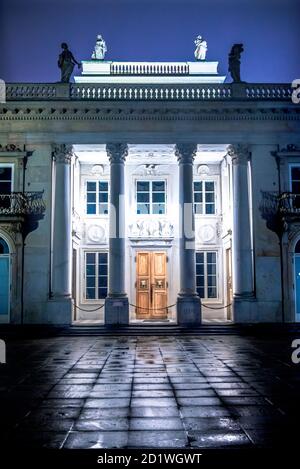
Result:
x=143 y=228
x=96 y=232
x=208 y=233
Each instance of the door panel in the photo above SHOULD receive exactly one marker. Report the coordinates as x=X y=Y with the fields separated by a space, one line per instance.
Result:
x=4 y=286
x=151 y=285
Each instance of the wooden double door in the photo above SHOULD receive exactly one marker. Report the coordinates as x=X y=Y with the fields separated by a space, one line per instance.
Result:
x=151 y=285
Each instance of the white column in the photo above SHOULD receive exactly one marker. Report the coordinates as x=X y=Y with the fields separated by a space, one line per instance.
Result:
x=188 y=301
x=241 y=231
x=116 y=304
x=61 y=265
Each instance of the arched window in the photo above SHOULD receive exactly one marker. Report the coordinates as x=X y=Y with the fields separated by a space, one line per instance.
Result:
x=297 y=247
x=4 y=249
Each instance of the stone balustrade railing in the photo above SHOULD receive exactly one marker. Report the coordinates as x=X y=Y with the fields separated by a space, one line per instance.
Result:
x=149 y=68
x=289 y=204
x=129 y=92
x=19 y=203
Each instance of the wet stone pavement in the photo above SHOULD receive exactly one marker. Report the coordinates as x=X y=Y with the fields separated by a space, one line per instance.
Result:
x=155 y=392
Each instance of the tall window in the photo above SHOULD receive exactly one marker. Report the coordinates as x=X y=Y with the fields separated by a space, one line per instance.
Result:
x=295 y=179
x=5 y=179
x=204 y=198
x=151 y=197
x=96 y=269
x=97 y=197
x=206 y=274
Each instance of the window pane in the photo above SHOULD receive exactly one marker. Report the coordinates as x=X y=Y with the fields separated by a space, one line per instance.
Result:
x=143 y=209
x=198 y=186
x=90 y=293
x=143 y=196
x=103 y=209
x=198 y=209
x=158 y=197
x=142 y=186
x=90 y=269
x=199 y=269
x=295 y=187
x=200 y=292
x=102 y=269
x=295 y=173
x=91 y=196
x=5 y=187
x=90 y=258
x=211 y=281
x=102 y=281
x=211 y=257
x=102 y=293
x=91 y=209
x=209 y=197
x=209 y=209
x=103 y=186
x=211 y=269
x=102 y=257
x=212 y=292
x=5 y=174
x=90 y=282
x=158 y=186
x=103 y=197
x=198 y=197
x=158 y=209
x=91 y=186
x=209 y=186
x=4 y=249
x=199 y=257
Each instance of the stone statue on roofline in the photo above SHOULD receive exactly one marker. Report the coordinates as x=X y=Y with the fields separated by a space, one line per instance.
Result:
x=234 y=62
x=66 y=62
x=201 y=48
x=100 y=49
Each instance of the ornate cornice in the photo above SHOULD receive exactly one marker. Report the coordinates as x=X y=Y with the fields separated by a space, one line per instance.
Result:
x=117 y=152
x=239 y=153
x=62 y=154
x=185 y=152
x=159 y=112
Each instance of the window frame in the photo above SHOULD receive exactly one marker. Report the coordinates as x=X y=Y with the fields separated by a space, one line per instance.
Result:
x=97 y=181
x=206 y=297
x=151 y=203
x=203 y=180
x=84 y=286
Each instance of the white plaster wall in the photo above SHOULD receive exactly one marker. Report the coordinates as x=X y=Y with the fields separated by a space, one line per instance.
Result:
x=37 y=249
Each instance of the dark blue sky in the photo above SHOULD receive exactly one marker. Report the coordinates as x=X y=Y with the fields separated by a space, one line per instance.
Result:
x=31 y=32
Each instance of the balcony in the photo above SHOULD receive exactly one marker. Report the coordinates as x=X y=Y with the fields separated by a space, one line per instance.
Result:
x=19 y=204
x=289 y=205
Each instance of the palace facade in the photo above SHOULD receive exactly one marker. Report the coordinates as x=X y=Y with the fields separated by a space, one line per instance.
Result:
x=149 y=192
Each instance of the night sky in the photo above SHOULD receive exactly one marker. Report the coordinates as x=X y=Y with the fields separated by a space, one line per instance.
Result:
x=31 y=32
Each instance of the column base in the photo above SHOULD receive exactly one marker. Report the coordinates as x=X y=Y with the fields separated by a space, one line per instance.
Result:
x=116 y=311
x=244 y=309
x=188 y=310
x=59 y=310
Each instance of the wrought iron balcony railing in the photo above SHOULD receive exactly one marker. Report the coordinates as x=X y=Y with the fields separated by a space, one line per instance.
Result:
x=289 y=204
x=21 y=204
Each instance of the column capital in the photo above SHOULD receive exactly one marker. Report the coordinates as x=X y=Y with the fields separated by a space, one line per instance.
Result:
x=117 y=152
x=239 y=153
x=185 y=152
x=62 y=153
